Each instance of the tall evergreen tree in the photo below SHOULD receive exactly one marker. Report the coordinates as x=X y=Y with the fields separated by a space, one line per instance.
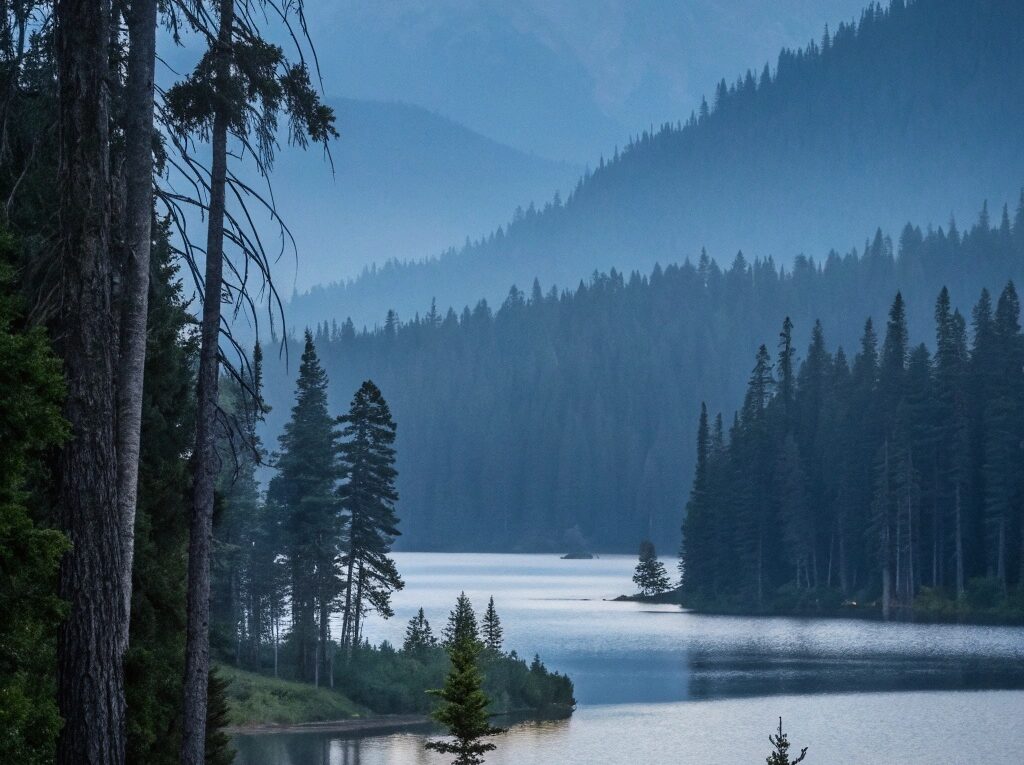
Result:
x=698 y=537
x=490 y=628
x=462 y=624
x=368 y=496
x=1004 y=431
x=304 y=489
x=419 y=637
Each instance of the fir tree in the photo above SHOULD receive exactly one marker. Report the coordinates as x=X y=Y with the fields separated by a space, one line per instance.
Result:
x=418 y=636
x=698 y=541
x=780 y=755
x=490 y=628
x=463 y=711
x=368 y=497
x=462 y=624
x=304 y=489
x=650 y=575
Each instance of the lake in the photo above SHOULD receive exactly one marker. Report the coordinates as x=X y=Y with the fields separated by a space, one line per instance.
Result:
x=656 y=684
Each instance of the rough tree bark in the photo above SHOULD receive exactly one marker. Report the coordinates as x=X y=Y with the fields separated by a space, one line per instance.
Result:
x=197 y=647
x=134 y=310
x=90 y=676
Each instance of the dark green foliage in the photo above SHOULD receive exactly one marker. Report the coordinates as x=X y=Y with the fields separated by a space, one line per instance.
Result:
x=218 y=749
x=650 y=575
x=464 y=707
x=305 y=490
x=32 y=389
x=780 y=755
x=490 y=628
x=262 y=86
x=419 y=638
x=366 y=458
x=462 y=624
x=895 y=483
x=396 y=682
x=577 y=408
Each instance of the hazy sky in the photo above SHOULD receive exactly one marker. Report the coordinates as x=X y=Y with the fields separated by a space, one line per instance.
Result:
x=567 y=79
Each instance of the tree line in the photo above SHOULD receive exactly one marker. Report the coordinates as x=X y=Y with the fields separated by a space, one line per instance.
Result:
x=907 y=113
x=317 y=544
x=575 y=409
x=892 y=475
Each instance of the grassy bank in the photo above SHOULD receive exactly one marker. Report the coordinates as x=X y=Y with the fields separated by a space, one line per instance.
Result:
x=260 y=700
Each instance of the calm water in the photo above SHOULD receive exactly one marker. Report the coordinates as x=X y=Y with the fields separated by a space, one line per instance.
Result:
x=658 y=685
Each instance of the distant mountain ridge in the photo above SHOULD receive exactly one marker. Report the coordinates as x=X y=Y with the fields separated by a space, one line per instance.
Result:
x=406 y=181
x=567 y=415
x=915 y=112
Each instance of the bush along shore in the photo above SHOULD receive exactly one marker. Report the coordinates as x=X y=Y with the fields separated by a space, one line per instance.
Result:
x=384 y=686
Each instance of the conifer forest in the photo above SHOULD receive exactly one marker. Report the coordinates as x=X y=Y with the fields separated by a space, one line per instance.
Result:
x=601 y=381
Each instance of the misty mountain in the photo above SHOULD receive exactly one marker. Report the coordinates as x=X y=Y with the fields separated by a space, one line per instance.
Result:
x=566 y=80
x=406 y=181
x=914 y=112
x=577 y=410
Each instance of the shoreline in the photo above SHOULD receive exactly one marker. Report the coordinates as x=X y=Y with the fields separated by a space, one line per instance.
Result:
x=854 y=613
x=347 y=725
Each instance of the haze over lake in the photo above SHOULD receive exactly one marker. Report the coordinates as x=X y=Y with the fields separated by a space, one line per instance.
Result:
x=653 y=679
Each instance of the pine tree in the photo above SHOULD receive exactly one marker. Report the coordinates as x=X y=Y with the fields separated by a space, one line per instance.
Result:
x=368 y=497
x=462 y=625
x=780 y=755
x=304 y=489
x=463 y=710
x=695 y=570
x=1003 y=430
x=418 y=636
x=799 y=531
x=490 y=628
x=650 y=575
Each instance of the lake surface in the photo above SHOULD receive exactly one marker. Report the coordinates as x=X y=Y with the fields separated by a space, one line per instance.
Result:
x=656 y=684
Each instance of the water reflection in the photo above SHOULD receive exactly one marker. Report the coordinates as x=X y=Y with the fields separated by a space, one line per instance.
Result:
x=645 y=660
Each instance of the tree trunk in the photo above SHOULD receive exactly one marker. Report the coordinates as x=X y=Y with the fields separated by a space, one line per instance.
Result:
x=959 y=546
x=90 y=675
x=277 y=632
x=197 y=647
x=346 y=625
x=357 y=618
x=325 y=616
x=134 y=308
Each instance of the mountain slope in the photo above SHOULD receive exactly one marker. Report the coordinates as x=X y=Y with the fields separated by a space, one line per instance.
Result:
x=578 y=410
x=406 y=181
x=566 y=79
x=914 y=112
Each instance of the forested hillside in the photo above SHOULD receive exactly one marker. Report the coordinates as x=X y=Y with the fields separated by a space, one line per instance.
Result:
x=576 y=409
x=892 y=473
x=912 y=113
